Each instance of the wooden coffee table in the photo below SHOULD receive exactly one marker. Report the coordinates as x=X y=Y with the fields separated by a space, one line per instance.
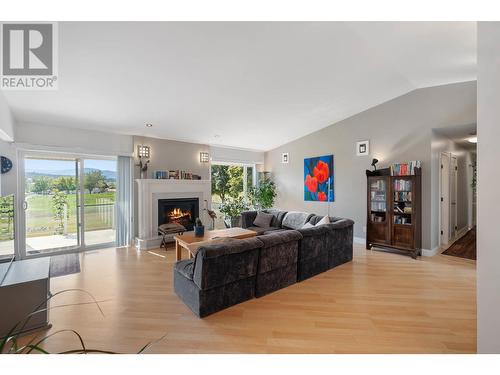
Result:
x=191 y=243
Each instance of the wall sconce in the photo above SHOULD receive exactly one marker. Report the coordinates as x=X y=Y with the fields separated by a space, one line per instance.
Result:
x=143 y=151
x=204 y=157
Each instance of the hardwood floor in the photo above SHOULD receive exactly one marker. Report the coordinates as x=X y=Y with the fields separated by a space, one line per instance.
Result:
x=379 y=303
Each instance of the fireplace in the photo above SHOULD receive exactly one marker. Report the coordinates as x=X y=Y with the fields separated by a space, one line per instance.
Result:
x=182 y=211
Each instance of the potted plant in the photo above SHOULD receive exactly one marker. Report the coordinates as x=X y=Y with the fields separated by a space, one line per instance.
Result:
x=232 y=209
x=199 y=228
x=262 y=196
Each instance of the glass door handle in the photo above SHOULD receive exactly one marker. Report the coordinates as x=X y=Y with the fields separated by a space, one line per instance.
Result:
x=25 y=205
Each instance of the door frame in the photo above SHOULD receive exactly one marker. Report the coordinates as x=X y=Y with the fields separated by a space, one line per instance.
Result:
x=20 y=217
x=444 y=198
x=454 y=197
x=448 y=233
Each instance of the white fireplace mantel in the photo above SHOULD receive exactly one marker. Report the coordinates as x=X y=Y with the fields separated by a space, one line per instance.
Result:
x=149 y=191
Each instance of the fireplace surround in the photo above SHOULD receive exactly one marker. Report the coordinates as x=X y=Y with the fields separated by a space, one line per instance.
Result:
x=150 y=191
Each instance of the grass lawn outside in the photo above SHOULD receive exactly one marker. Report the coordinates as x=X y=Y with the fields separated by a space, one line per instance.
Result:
x=40 y=220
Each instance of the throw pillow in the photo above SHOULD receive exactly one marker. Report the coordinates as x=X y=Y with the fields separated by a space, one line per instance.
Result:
x=325 y=220
x=307 y=225
x=263 y=220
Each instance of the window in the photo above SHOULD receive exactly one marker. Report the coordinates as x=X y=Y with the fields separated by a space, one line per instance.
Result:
x=230 y=181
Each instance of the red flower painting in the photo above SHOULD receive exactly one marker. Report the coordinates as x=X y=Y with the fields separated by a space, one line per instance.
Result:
x=320 y=171
x=318 y=179
x=322 y=196
x=311 y=183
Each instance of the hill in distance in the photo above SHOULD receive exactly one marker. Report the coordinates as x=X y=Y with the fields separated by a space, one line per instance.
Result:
x=109 y=175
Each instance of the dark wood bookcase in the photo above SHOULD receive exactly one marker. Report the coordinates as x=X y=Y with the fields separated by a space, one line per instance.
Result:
x=394 y=211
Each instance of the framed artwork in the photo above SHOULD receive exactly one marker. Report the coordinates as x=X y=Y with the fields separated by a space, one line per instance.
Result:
x=284 y=158
x=318 y=179
x=362 y=148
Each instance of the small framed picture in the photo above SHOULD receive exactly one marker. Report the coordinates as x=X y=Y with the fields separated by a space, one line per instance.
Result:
x=362 y=148
x=284 y=158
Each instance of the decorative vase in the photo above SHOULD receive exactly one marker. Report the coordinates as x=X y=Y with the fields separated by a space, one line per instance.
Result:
x=199 y=231
x=235 y=222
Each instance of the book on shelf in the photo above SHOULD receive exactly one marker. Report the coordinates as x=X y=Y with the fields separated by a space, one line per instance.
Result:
x=402 y=196
x=378 y=218
x=402 y=220
x=405 y=169
x=402 y=185
x=160 y=175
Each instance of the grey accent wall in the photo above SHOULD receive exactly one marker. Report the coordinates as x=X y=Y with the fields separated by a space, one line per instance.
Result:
x=488 y=154
x=398 y=130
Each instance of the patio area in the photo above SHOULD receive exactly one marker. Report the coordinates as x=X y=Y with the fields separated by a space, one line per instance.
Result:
x=47 y=243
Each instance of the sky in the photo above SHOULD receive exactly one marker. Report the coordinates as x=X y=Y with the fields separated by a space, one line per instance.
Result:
x=45 y=165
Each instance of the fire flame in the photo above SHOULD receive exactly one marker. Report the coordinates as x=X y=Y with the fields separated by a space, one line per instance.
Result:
x=177 y=213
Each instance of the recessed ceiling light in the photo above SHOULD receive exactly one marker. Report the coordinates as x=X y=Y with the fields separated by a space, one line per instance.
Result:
x=149 y=125
x=472 y=139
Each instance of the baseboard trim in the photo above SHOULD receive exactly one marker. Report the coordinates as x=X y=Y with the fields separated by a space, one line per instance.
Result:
x=360 y=240
x=425 y=252
x=430 y=253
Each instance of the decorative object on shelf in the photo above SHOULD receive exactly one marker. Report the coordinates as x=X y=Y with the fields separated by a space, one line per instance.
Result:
x=374 y=164
x=232 y=209
x=393 y=220
x=210 y=213
x=362 y=148
x=199 y=228
x=160 y=175
x=143 y=153
x=6 y=164
x=284 y=158
x=319 y=179
x=204 y=157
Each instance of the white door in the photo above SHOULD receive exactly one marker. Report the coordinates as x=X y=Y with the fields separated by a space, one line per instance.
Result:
x=453 y=197
x=445 y=198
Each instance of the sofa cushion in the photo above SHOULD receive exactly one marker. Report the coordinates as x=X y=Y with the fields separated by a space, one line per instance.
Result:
x=295 y=220
x=263 y=220
x=279 y=249
x=223 y=262
x=307 y=225
x=325 y=220
x=314 y=219
x=260 y=230
x=278 y=237
x=185 y=268
x=278 y=216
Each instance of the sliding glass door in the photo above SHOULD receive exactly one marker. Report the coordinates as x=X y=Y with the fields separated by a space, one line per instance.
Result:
x=99 y=193
x=69 y=203
x=51 y=204
x=7 y=223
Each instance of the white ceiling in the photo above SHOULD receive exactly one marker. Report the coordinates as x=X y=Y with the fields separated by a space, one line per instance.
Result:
x=460 y=135
x=250 y=85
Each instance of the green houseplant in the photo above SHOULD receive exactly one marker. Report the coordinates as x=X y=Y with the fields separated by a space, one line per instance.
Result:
x=232 y=209
x=263 y=194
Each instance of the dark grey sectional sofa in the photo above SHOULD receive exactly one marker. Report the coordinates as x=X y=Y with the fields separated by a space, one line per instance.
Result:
x=232 y=271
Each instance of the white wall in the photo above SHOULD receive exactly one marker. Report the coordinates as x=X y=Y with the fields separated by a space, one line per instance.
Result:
x=226 y=154
x=488 y=241
x=7 y=181
x=73 y=140
x=398 y=130
x=6 y=121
